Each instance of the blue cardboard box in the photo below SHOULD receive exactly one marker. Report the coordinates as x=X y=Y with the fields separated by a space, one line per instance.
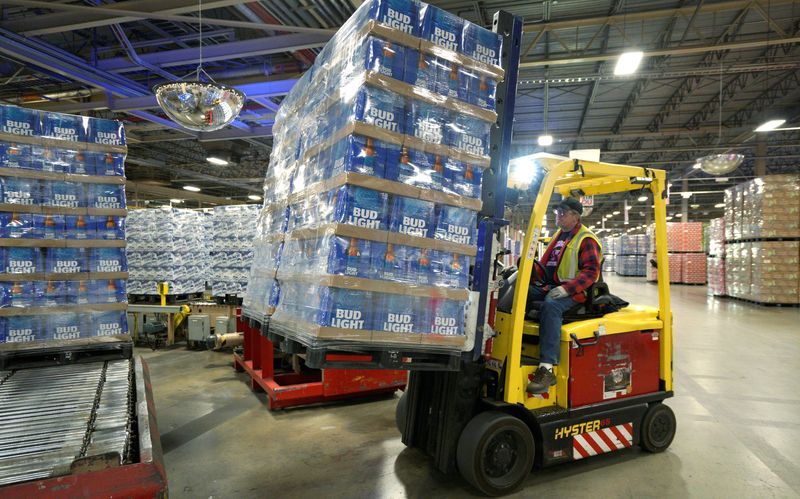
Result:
x=483 y=92
x=441 y=27
x=395 y=263
x=50 y=226
x=465 y=179
x=450 y=270
x=51 y=293
x=13 y=155
x=24 y=260
x=64 y=194
x=401 y=15
x=481 y=44
x=22 y=191
x=109 y=227
x=65 y=126
x=22 y=294
x=447 y=317
x=105 y=196
x=456 y=225
x=22 y=329
x=20 y=121
x=108 y=323
x=420 y=269
x=79 y=227
x=345 y=308
x=413 y=168
x=469 y=134
x=349 y=256
x=107 y=132
x=19 y=225
x=358 y=154
x=79 y=292
x=108 y=164
x=428 y=122
x=108 y=291
x=400 y=314
x=47 y=159
x=382 y=57
x=411 y=216
x=66 y=260
x=450 y=81
x=108 y=260
x=77 y=162
x=380 y=108
x=360 y=207
x=422 y=70
x=68 y=326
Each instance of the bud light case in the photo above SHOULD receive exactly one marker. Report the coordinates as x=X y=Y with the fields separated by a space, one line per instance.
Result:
x=66 y=260
x=465 y=179
x=447 y=317
x=360 y=207
x=79 y=292
x=469 y=134
x=49 y=159
x=456 y=225
x=51 y=293
x=449 y=81
x=345 y=308
x=109 y=227
x=401 y=15
x=108 y=260
x=108 y=163
x=79 y=227
x=358 y=154
x=428 y=122
x=24 y=261
x=450 y=270
x=441 y=27
x=380 y=108
x=106 y=132
x=400 y=314
x=412 y=168
x=108 y=291
x=381 y=57
x=64 y=194
x=411 y=216
x=349 y=256
x=481 y=44
x=77 y=162
x=19 y=121
x=22 y=294
x=13 y=155
x=392 y=262
x=68 y=326
x=50 y=226
x=64 y=127
x=21 y=329
x=22 y=191
x=106 y=196
x=421 y=70
x=483 y=92
x=20 y=225
x=419 y=260
x=109 y=323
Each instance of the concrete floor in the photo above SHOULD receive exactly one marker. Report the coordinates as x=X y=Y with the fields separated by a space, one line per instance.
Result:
x=737 y=403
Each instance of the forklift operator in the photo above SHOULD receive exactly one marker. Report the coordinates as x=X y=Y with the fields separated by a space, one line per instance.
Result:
x=571 y=265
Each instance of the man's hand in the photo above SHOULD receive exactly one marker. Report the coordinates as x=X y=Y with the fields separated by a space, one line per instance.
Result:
x=556 y=293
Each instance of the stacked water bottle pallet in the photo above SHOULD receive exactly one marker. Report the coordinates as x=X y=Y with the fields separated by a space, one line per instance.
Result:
x=632 y=255
x=762 y=233
x=687 y=260
x=232 y=232
x=716 y=257
x=62 y=227
x=376 y=179
x=610 y=246
x=167 y=245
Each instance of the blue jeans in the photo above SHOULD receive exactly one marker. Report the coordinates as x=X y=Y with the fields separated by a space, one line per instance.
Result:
x=550 y=319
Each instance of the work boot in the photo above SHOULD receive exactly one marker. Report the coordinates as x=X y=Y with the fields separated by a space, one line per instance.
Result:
x=543 y=379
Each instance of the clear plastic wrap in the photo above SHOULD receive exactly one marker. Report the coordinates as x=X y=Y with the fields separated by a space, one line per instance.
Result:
x=167 y=245
x=231 y=231
x=716 y=239
x=369 y=224
x=716 y=276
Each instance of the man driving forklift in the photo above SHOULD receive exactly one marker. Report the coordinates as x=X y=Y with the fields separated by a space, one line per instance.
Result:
x=571 y=264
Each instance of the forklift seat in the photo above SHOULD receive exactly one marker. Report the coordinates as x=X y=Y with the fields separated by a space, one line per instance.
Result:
x=599 y=302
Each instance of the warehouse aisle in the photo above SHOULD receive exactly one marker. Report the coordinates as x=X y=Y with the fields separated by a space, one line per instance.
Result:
x=737 y=404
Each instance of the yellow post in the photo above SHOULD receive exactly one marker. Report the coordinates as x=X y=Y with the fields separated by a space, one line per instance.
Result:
x=163 y=291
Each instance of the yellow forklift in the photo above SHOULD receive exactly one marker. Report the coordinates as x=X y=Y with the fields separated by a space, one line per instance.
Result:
x=614 y=374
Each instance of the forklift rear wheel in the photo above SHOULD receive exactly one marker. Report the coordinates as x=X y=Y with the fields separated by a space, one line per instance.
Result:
x=495 y=452
x=658 y=428
x=401 y=413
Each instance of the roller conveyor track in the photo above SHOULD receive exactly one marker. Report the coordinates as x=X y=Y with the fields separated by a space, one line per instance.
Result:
x=49 y=417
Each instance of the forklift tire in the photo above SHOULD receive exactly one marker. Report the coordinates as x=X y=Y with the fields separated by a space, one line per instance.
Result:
x=401 y=413
x=495 y=452
x=658 y=428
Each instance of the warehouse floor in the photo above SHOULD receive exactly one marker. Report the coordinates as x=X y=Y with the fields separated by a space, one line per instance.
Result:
x=737 y=403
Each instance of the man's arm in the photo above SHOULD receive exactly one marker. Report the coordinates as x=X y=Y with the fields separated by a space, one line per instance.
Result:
x=588 y=268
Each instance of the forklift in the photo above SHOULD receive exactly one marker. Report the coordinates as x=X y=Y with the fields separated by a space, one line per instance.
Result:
x=615 y=370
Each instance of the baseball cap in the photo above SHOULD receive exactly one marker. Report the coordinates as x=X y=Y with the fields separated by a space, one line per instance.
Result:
x=571 y=204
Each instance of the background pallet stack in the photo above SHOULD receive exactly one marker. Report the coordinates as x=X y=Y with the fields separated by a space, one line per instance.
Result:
x=762 y=253
x=231 y=231
x=687 y=259
x=632 y=255
x=377 y=167
x=716 y=258
x=609 y=245
x=62 y=227
x=167 y=245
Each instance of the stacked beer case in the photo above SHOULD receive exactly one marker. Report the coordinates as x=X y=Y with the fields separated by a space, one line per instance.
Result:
x=62 y=226
x=716 y=257
x=231 y=230
x=369 y=225
x=762 y=240
x=167 y=245
x=632 y=254
x=687 y=258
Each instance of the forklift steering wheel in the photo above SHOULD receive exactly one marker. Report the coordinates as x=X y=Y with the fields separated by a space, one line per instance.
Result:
x=540 y=282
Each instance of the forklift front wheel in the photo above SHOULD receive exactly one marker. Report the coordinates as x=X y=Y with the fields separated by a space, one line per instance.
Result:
x=658 y=428
x=495 y=452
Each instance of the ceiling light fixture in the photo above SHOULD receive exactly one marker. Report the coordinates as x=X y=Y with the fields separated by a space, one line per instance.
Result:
x=545 y=140
x=770 y=125
x=719 y=205
x=615 y=212
x=642 y=198
x=199 y=105
x=697 y=166
x=176 y=201
x=254 y=197
x=628 y=62
x=191 y=188
x=217 y=161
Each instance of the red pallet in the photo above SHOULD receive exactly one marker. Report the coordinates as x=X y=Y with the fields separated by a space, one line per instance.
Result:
x=324 y=385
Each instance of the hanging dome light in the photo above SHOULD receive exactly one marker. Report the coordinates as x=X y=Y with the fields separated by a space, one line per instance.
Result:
x=198 y=105
x=720 y=164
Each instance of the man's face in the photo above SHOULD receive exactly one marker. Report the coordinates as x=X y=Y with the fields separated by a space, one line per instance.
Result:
x=567 y=219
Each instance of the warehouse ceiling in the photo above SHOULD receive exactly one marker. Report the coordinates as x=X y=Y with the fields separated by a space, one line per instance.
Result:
x=712 y=72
